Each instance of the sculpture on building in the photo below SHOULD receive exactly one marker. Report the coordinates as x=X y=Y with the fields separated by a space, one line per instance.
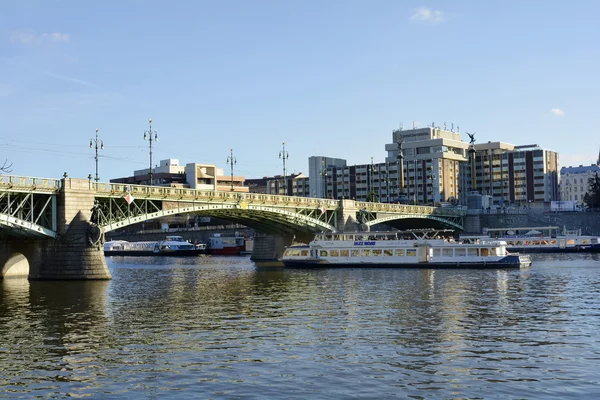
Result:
x=472 y=137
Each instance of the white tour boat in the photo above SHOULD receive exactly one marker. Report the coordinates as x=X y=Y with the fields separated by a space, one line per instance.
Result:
x=547 y=239
x=423 y=249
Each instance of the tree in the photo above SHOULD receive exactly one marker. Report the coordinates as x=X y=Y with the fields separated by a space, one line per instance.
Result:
x=592 y=197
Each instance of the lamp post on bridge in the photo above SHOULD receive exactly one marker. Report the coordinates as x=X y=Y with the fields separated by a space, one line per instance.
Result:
x=231 y=161
x=149 y=134
x=96 y=141
x=284 y=156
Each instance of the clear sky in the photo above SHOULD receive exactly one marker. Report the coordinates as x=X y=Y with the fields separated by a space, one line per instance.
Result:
x=329 y=77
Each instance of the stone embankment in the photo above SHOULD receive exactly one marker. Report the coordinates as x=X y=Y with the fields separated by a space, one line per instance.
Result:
x=588 y=222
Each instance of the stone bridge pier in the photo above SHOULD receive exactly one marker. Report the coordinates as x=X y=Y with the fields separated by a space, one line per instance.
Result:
x=270 y=247
x=77 y=253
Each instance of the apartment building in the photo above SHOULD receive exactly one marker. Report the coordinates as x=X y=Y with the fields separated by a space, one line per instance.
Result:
x=574 y=181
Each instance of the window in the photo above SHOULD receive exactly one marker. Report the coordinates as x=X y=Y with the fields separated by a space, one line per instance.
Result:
x=323 y=253
x=377 y=252
x=365 y=252
x=447 y=252
x=304 y=253
x=388 y=252
x=411 y=253
x=354 y=253
x=344 y=253
x=334 y=253
x=400 y=252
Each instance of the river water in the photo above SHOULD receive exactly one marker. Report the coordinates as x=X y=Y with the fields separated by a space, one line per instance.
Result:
x=213 y=327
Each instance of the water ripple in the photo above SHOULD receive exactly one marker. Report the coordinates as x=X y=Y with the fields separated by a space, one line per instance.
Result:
x=221 y=328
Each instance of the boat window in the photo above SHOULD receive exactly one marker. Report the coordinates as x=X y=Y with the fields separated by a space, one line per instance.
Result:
x=400 y=252
x=519 y=243
x=510 y=242
x=544 y=242
x=337 y=237
x=388 y=252
x=323 y=253
x=536 y=242
x=334 y=253
x=287 y=252
x=365 y=252
x=492 y=251
x=484 y=252
x=585 y=241
x=295 y=253
x=473 y=252
x=595 y=240
x=411 y=252
x=460 y=252
x=553 y=242
x=377 y=252
x=570 y=242
x=447 y=252
x=355 y=253
x=344 y=253
x=304 y=253
x=527 y=242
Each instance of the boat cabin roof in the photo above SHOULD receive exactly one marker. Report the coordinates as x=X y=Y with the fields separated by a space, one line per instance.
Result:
x=413 y=234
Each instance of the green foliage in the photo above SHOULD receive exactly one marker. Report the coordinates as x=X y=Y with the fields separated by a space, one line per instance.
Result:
x=372 y=197
x=592 y=197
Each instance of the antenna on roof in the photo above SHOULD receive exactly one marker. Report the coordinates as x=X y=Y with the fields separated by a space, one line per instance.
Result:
x=445 y=127
x=413 y=124
x=433 y=124
x=400 y=125
x=457 y=128
x=452 y=129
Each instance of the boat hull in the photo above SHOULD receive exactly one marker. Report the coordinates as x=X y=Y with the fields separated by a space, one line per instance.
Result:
x=226 y=251
x=150 y=253
x=592 y=248
x=511 y=261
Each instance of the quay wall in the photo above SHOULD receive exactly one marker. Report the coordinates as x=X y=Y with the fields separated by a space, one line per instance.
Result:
x=589 y=222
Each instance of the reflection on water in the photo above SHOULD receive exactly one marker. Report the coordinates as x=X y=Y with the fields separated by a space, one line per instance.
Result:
x=220 y=327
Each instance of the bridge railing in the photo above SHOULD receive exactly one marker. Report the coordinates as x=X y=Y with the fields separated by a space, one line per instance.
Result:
x=183 y=194
x=29 y=183
x=409 y=209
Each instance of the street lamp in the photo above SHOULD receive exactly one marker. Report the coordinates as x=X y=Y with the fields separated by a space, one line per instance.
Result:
x=231 y=161
x=148 y=134
x=284 y=156
x=92 y=141
x=370 y=192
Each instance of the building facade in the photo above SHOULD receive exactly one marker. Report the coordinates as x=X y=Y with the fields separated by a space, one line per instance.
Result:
x=427 y=164
x=574 y=181
x=193 y=175
x=511 y=175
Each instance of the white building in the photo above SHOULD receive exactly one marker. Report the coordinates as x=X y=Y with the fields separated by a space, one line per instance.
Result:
x=574 y=181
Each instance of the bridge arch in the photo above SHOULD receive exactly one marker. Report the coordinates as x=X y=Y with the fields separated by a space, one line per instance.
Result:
x=444 y=221
x=17 y=265
x=262 y=218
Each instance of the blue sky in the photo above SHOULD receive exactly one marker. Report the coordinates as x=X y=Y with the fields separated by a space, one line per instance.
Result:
x=330 y=78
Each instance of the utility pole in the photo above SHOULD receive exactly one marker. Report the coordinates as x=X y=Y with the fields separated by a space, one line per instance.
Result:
x=149 y=134
x=96 y=141
x=284 y=156
x=231 y=161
